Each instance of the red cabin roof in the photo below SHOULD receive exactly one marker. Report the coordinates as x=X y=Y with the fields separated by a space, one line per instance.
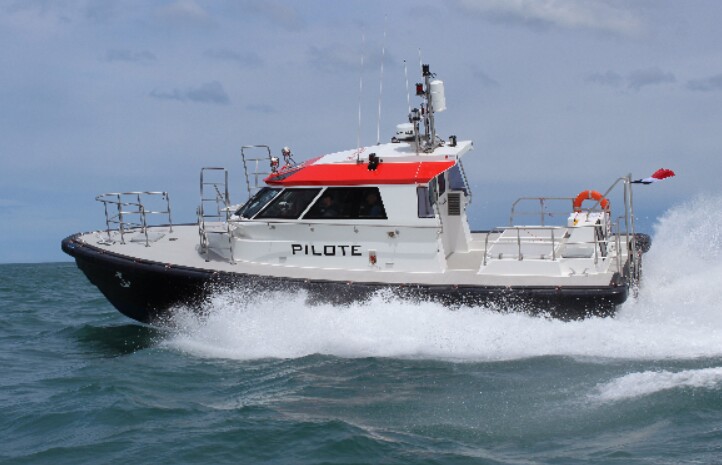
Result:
x=351 y=174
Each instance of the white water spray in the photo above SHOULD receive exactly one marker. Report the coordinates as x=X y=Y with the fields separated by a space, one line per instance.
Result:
x=678 y=315
x=650 y=382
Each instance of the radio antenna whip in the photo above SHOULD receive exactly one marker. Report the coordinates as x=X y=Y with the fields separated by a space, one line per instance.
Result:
x=408 y=96
x=360 y=93
x=381 y=83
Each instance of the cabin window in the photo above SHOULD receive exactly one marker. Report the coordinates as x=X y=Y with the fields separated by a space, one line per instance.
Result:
x=456 y=180
x=348 y=203
x=289 y=204
x=258 y=201
x=441 y=181
x=425 y=209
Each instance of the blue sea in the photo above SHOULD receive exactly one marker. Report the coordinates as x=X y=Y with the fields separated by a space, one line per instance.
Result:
x=269 y=379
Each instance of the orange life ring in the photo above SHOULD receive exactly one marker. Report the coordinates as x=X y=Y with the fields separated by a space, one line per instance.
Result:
x=590 y=195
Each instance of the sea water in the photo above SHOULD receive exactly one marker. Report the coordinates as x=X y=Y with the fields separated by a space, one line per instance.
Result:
x=268 y=378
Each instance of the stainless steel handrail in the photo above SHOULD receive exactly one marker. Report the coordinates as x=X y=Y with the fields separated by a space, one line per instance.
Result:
x=631 y=240
x=552 y=241
x=120 y=201
x=520 y=241
x=542 y=214
x=256 y=173
x=219 y=199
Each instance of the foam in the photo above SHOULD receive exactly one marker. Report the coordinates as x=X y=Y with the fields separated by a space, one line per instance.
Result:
x=649 y=382
x=677 y=315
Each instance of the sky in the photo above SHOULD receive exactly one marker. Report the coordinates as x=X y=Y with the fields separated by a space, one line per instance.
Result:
x=558 y=96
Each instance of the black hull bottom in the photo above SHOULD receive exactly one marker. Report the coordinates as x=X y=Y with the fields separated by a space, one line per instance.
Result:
x=146 y=291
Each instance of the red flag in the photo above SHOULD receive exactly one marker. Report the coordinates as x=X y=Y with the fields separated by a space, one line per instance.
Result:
x=660 y=174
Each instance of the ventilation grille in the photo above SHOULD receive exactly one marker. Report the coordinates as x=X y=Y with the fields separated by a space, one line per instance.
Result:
x=454 y=204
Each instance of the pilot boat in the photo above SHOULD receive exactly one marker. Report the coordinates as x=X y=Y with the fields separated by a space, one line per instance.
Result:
x=386 y=218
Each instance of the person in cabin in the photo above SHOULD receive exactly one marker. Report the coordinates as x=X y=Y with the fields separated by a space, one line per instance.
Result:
x=328 y=209
x=372 y=207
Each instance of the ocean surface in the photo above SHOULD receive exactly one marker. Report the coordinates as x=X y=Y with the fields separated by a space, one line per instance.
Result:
x=269 y=379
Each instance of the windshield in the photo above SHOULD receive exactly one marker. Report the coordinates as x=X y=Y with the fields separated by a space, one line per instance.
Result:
x=257 y=202
x=290 y=204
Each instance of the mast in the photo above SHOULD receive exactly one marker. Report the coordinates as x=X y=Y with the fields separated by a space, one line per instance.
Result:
x=432 y=93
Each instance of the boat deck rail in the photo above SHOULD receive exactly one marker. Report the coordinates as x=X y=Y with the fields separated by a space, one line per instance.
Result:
x=129 y=212
x=543 y=213
x=551 y=243
x=214 y=211
x=256 y=167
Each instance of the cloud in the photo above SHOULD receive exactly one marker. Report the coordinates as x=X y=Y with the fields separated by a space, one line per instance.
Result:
x=186 y=13
x=210 y=92
x=566 y=14
x=647 y=77
x=334 y=58
x=276 y=12
x=484 y=78
x=260 y=108
x=142 y=57
x=710 y=84
x=10 y=203
x=342 y=58
x=251 y=59
x=41 y=19
x=101 y=11
x=610 y=78
x=634 y=80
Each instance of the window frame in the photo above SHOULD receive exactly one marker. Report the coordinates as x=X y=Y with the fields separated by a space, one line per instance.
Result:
x=280 y=197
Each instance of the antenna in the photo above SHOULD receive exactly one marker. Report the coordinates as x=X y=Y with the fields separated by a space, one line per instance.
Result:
x=360 y=93
x=408 y=96
x=381 y=83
